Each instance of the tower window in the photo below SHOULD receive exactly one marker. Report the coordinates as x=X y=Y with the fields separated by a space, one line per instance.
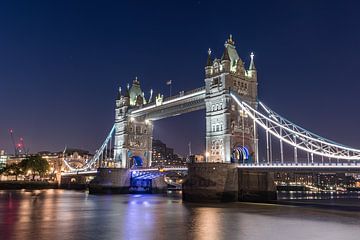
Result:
x=215 y=81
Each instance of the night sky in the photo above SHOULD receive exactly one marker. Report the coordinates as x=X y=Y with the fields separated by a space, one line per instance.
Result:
x=61 y=63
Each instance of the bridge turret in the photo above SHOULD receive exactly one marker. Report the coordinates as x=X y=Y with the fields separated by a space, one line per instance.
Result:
x=209 y=63
x=133 y=135
x=136 y=94
x=119 y=98
x=225 y=61
x=151 y=96
x=252 y=68
x=126 y=101
x=226 y=130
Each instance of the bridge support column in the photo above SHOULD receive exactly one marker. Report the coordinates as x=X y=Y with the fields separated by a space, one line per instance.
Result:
x=110 y=180
x=211 y=182
x=256 y=186
x=158 y=185
x=221 y=182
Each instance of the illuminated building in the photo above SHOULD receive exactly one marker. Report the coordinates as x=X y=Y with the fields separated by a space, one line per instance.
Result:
x=164 y=156
x=3 y=159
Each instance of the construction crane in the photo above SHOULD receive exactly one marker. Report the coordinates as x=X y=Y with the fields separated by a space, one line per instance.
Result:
x=19 y=148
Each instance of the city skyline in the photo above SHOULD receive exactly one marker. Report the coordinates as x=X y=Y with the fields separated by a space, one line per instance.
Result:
x=60 y=88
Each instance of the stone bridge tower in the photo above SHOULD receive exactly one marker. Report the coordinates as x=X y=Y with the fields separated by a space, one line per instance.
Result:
x=230 y=134
x=133 y=136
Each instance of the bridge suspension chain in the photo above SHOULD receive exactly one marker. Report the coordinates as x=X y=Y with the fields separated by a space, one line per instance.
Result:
x=294 y=135
x=99 y=155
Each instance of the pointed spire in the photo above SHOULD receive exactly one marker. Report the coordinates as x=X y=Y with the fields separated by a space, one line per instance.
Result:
x=127 y=91
x=230 y=40
x=151 y=95
x=209 y=61
x=136 y=81
x=225 y=55
x=119 y=93
x=252 y=64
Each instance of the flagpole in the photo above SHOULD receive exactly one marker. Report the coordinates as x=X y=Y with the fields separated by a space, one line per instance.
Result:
x=170 y=88
x=169 y=82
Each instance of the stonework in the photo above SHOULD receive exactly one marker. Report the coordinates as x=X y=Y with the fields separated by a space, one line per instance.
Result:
x=230 y=134
x=133 y=136
x=110 y=180
x=221 y=182
x=211 y=182
x=227 y=127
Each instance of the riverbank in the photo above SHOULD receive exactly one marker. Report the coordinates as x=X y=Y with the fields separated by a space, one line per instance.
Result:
x=38 y=185
x=16 y=185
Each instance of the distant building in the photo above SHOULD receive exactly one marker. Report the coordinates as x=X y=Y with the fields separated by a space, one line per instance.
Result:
x=75 y=157
x=196 y=158
x=3 y=159
x=164 y=156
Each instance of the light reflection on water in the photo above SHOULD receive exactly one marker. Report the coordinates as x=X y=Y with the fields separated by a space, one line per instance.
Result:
x=59 y=214
x=297 y=195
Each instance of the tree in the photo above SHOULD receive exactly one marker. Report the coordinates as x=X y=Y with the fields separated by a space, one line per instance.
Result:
x=13 y=170
x=35 y=164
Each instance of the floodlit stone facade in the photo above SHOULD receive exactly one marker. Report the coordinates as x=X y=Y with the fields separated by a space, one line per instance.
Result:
x=227 y=127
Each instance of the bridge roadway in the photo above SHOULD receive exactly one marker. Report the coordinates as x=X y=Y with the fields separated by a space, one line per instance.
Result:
x=278 y=167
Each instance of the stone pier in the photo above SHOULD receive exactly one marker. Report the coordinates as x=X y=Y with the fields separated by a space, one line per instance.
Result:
x=118 y=181
x=223 y=182
x=211 y=182
x=110 y=180
x=256 y=186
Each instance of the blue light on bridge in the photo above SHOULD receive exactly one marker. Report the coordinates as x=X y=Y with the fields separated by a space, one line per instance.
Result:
x=240 y=154
x=138 y=162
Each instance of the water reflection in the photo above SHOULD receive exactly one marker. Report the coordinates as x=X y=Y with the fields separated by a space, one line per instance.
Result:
x=58 y=214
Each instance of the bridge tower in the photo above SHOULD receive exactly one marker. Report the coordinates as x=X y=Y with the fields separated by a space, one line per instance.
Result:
x=230 y=134
x=133 y=136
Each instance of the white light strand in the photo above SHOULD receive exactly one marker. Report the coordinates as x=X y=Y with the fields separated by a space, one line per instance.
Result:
x=252 y=113
x=95 y=157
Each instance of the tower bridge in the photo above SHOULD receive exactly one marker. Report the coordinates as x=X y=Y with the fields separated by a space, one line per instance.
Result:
x=234 y=117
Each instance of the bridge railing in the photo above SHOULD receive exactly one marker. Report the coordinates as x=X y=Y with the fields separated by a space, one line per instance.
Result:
x=183 y=93
x=170 y=168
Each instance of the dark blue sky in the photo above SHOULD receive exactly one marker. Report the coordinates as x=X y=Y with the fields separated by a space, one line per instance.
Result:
x=61 y=63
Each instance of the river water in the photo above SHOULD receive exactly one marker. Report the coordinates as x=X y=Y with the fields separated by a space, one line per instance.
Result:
x=63 y=214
